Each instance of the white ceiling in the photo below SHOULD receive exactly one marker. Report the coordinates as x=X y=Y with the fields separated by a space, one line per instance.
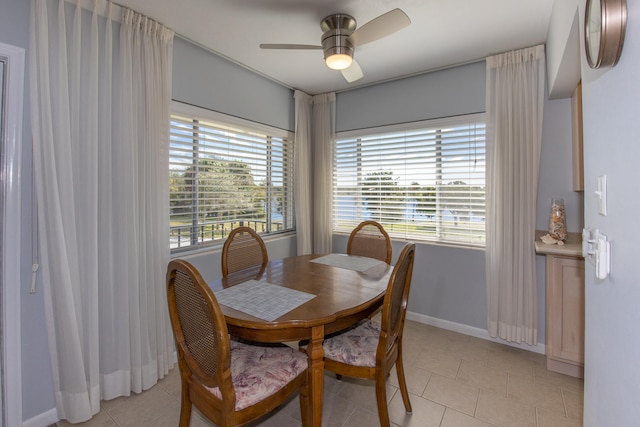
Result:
x=442 y=33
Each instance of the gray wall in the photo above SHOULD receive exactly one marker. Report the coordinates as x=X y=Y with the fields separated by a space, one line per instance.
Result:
x=209 y=81
x=446 y=93
x=611 y=106
x=449 y=282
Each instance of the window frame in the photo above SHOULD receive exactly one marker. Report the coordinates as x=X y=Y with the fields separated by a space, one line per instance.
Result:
x=271 y=133
x=423 y=125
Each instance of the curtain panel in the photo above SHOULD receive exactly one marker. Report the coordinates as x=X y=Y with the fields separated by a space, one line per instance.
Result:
x=515 y=99
x=302 y=167
x=324 y=135
x=315 y=125
x=100 y=79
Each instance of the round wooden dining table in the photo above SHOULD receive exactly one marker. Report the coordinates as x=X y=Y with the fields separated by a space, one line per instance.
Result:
x=343 y=297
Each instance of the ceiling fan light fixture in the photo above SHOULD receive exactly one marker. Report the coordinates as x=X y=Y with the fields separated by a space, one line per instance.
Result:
x=338 y=51
x=337 y=46
x=338 y=61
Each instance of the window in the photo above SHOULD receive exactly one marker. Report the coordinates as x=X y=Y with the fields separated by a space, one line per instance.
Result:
x=421 y=181
x=225 y=173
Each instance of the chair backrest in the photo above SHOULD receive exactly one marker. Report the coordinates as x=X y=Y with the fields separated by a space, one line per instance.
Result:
x=199 y=327
x=243 y=248
x=394 y=307
x=370 y=239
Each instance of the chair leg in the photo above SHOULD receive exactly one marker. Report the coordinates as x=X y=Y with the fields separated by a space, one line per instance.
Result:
x=185 y=407
x=381 y=399
x=403 y=384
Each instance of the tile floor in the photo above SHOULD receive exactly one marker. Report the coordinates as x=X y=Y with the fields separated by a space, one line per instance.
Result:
x=455 y=381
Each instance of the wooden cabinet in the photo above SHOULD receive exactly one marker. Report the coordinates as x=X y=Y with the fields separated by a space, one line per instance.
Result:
x=565 y=314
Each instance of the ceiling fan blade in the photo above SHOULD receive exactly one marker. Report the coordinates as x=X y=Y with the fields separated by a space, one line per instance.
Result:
x=353 y=73
x=289 y=46
x=380 y=27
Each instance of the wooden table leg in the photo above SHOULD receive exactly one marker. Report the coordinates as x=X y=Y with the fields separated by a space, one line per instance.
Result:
x=315 y=353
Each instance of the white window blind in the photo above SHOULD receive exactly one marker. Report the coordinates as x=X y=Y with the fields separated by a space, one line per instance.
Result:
x=226 y=173
x=421 y=181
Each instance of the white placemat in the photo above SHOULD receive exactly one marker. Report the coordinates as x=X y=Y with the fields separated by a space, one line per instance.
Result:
x=261 y=299
x=350 y=262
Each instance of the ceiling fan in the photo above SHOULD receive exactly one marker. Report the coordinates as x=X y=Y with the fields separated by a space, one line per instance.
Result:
x=340 y=38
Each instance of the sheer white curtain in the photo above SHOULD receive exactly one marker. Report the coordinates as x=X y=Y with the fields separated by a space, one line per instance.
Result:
x=302 y=181
x=324 y=131
x=100 y=99
x=313 y=160
x=515 y=98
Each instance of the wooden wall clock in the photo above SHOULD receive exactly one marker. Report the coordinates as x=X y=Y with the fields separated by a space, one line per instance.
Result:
x=605 y=23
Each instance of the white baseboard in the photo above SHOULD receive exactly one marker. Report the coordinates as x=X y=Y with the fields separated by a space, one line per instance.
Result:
x=470 y=330
x=43 y=420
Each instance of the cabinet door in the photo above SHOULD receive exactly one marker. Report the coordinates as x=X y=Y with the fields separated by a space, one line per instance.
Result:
x=565 y=305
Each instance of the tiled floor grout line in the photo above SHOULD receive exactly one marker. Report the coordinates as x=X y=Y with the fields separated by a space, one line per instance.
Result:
x=564 y=403
x=475 y=409
x=106 y=411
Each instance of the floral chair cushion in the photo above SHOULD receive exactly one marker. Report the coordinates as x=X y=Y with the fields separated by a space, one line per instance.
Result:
x=259 y=371
x=356 y=347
